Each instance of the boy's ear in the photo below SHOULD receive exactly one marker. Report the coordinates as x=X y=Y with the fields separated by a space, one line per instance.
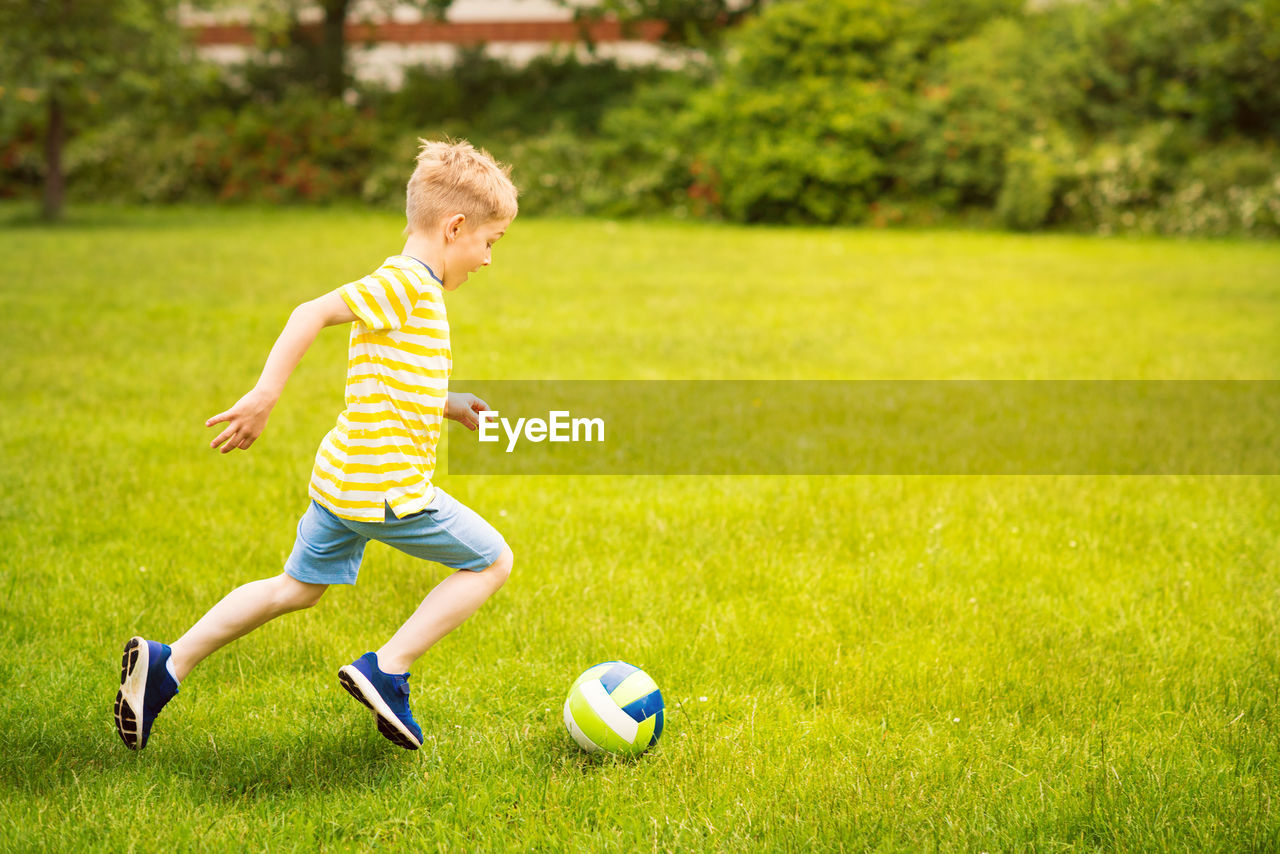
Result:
x=453 y=226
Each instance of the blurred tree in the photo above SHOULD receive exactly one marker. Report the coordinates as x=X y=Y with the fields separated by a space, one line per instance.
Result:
x=316 y=56
x=77 y=56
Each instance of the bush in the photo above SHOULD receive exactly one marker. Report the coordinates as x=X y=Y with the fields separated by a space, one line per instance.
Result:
x=649 y=150
x=1088 y=115
x=805 y=152
x=491 y=96
x=558 y=173
x=815 y=111
x=1028 y=192
x=889 y=40
x=1232 y=188
x=642 y=160
x=1118 y=183
x=1134 y=185
x=981 y=99
x=212 y=141
x=1210 y=65
x=303 y=149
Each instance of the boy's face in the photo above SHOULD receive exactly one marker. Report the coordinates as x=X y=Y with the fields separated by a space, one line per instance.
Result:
x=470 y=249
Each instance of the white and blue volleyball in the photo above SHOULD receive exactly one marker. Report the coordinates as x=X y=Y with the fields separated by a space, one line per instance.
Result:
x=615 y=707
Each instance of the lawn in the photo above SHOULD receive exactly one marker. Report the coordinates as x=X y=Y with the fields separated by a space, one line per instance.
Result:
x=849 y=663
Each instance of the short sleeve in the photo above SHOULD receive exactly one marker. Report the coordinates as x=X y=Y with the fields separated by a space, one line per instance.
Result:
x=383 y=300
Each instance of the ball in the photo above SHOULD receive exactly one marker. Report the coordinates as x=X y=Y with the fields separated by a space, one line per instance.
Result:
x=615 y=707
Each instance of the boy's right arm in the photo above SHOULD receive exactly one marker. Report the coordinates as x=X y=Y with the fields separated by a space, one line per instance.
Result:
x=248 y=418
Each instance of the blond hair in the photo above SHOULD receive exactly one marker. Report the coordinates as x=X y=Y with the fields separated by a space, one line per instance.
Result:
x=453 y=177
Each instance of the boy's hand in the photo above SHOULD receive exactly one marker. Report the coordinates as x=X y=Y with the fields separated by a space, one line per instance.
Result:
x=248 y=418
x=463 y=408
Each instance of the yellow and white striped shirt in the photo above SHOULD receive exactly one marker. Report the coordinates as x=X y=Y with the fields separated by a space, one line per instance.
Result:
x=383 y=448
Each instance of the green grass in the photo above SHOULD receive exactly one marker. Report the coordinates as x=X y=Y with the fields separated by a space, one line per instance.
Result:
x=894 y=663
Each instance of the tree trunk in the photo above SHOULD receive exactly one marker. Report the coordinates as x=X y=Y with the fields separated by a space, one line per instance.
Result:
x=333 y=47
x=55 y=182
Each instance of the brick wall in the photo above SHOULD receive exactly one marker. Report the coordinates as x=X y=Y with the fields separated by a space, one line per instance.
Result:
x=456 y=32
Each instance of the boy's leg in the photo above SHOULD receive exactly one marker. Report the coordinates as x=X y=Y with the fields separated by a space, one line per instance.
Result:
x=150 y=671
x=325 y=552
x=446 y=607
x=379 y=682
x=446 y=532
x=240 y=612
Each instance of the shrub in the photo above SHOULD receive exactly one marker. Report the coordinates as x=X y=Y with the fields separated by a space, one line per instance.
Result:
x=810 y=151
x=1232 y=188
x=490 y=96
x=303 y=149
x=975 y=104
x=1210 y=65
x=1118 y=183
x=649 y=150
x=888 y=40
x=1135 y=185
x=815 y=110
x=1027 y=195
x=642 y=160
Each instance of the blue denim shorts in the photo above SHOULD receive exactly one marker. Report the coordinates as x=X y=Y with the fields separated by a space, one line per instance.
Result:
x=329 y=548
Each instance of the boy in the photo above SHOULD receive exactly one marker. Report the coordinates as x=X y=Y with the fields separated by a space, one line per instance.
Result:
x=372 y=474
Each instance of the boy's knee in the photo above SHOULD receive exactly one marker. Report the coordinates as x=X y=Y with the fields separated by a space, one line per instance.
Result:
x=500 y=569
x=294 y=595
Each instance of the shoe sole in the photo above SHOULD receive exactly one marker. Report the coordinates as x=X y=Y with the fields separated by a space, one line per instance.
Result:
x=389 y=725
x=133 y=689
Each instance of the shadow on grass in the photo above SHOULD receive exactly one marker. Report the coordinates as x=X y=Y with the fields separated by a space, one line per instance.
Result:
x=230 y=765
x=555 y=752
x=239 y=768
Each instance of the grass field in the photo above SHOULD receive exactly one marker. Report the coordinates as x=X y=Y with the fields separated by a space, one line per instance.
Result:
x=849 y=663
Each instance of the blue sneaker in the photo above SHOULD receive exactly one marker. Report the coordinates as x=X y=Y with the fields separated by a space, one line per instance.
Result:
x=387 y=694
x=145 y=687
